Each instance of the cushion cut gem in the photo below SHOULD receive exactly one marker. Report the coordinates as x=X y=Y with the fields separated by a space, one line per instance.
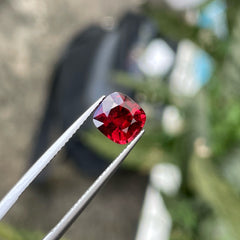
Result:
x=119 y=118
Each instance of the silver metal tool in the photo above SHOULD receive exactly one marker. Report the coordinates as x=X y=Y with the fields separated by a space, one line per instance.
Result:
x=12 y=196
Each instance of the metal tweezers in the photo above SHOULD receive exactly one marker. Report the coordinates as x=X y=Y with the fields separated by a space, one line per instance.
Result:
x=57 y=232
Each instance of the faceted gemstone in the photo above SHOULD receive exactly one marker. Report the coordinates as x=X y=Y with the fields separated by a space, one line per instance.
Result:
x=119 y=118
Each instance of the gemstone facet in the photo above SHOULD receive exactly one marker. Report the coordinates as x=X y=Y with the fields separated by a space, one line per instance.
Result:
x=119 y=118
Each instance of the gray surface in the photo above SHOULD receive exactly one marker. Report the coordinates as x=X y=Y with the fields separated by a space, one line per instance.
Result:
x=32 y=34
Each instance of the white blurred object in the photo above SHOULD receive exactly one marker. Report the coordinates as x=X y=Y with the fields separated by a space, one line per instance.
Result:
x=157 y=59
x=156 y=222
x=172 y=121
x=184 y=4
x=192 y=70
x=166 y=178
x=214 y=17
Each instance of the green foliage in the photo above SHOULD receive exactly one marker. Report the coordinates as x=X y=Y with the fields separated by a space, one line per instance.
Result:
x=137 y=159
x=216 y=192
x=9 y=233
x=183 y=213
x=224 y=99
x=207 y=206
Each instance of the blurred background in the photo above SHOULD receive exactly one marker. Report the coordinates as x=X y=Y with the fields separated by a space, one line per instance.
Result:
x=179 y=60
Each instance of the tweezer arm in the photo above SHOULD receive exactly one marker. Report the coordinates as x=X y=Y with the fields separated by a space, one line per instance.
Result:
x=57 y=232
x=13 y=195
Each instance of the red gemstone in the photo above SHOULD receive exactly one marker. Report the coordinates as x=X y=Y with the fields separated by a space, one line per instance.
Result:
x=119 y=118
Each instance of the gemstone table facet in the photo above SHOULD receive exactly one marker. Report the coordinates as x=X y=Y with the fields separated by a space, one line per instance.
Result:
x=119 y=118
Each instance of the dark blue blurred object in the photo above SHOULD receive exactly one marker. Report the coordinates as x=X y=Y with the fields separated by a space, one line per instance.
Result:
x=82 y=75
